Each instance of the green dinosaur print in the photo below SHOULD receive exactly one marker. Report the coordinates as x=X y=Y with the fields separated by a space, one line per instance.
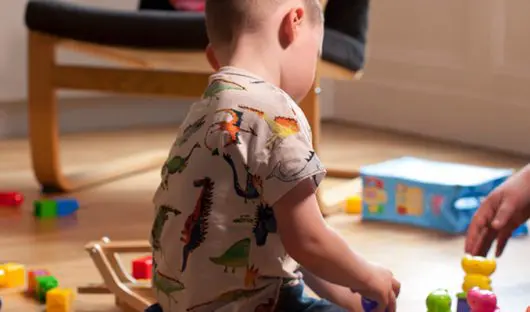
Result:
x=190 y=130
x=161 y=218
x=176 y=164
x=166 y=285
x=234 y=257
x=228 y=297
x=219 y=85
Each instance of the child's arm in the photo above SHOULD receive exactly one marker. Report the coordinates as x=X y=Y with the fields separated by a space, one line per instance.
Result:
x=337 y=294
x=310 y=241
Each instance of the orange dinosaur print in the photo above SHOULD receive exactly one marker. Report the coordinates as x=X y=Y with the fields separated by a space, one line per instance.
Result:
x=231 y=126
x=251 y=275
x=281 y=127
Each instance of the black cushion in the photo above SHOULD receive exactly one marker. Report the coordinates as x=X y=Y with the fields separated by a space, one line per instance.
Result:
x=165 y=29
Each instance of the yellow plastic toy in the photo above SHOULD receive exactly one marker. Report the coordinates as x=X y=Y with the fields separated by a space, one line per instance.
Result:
x=478 y=271
x=354 y=204
x=60 y=300
x=12 y=275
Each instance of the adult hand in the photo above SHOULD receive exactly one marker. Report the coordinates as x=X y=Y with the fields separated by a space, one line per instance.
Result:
x=505 y=209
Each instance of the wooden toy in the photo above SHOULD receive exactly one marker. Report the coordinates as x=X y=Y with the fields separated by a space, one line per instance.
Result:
x=481 y=300
x=52 y=208
x=131 y=295
x=32 y=279
x=45 y=284
x=439 y=301
x=60 y=300
x=142 y=267
x=11 y=199
x=12 y=275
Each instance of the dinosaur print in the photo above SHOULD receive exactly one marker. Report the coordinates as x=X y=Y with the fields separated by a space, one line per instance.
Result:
x=236 y=256
x=196 y=225
x=231 y=126
x=281 y=127
x=190 y=130
x=266 y=307
x=227 y=297
x=296 y=169
x=244 y=219
x=265 y=223
x=162 y=215
x=166 y=285
x=176 y=164
x=251 y=275
x=219 y=85
x=253 y=186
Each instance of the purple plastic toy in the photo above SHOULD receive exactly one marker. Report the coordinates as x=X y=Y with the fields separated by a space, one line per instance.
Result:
x=368 y=305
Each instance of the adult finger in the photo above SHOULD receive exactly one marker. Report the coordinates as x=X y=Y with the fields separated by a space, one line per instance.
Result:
x=480 y=223
x=504 y=214
x=502 y=240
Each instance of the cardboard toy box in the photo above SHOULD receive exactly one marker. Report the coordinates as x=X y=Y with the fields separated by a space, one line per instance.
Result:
x=430 y=194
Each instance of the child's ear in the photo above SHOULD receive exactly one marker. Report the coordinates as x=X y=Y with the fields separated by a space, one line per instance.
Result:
x=210 y=55
x=290 y=26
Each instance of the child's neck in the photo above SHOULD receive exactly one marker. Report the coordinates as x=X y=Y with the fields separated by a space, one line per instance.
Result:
x=258 y=58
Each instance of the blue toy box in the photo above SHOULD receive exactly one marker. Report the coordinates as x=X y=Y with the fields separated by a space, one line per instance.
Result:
x=442 y=196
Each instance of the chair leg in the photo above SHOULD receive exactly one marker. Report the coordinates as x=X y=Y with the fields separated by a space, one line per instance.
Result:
x=311 y=107
x=44 y=129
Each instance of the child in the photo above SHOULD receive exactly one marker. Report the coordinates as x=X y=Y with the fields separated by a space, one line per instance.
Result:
x=505 y=209
x=236 y=209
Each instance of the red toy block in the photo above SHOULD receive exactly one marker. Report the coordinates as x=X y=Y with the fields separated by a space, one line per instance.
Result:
x=32 y=279
x=11 y=199
x=142 y=267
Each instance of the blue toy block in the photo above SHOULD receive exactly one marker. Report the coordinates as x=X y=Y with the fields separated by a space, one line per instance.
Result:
x=424 y=193
x=521 y=231
x=66 y=206
x=462 y=305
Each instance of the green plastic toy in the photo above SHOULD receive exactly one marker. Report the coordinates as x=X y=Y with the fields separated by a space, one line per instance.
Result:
x=439 y=301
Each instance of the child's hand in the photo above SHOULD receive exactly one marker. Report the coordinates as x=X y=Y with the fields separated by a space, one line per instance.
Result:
x=382 y=287
x=505 y=209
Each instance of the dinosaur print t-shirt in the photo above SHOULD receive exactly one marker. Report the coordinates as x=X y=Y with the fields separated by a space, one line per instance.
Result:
x=242 y=147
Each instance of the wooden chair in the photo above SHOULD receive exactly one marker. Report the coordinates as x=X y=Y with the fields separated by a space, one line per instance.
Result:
x=160 y=53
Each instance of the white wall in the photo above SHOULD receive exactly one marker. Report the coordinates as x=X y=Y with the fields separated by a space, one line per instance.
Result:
x=88 y=111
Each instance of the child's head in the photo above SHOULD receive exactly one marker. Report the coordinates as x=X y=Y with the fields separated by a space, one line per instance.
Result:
x=283 y=36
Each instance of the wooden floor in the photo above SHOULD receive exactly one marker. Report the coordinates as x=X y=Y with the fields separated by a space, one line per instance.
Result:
x=422 y=260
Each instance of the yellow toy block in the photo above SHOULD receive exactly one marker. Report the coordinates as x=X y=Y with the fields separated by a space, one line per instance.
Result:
x=354 y=204
x=12 y=275
x=60 y=300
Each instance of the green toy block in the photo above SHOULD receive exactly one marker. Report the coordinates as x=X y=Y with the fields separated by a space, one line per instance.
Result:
x=461 y=295
x=45 y=284
x=45 y=208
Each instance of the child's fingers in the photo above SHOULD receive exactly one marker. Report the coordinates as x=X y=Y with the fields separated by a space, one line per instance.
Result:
x=391 y=303
x=396 y=287
x=502 y=240
x=503 y=214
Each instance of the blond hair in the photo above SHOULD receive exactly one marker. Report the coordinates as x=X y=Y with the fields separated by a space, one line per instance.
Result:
x=225 y=18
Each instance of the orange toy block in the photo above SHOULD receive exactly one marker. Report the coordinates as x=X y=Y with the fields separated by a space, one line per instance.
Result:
x=32 y=279
x=60 y=300
x=12 y=275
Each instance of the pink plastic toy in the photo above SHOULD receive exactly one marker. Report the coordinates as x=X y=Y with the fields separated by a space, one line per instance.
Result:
x=482 y=300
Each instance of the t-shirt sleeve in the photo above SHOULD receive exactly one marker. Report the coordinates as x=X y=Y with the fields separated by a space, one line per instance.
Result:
x=283 y=153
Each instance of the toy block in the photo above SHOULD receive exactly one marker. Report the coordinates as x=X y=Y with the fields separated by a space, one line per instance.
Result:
x=32 y=279
x=49 y=208
x=142 y=267
x=522 y=230
x=45 y=284
x=45 y=208
x=354 y=204
x=66 y=206
x=60 y=300
x=11 y=199
x=12 y=275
